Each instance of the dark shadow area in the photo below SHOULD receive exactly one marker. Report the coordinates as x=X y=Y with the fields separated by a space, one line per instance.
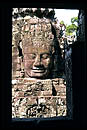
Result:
x=78 y=76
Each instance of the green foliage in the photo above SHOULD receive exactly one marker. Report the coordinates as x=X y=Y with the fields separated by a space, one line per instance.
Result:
x=74 y=19
x=68 y=34
x=62 y=22
x=73 y=27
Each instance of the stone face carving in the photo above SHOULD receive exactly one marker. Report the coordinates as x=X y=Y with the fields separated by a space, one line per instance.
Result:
x=37 y=62
x=37 y=91
x=38 y=48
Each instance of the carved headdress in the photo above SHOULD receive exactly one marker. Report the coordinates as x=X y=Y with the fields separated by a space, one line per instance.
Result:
x=37 y=32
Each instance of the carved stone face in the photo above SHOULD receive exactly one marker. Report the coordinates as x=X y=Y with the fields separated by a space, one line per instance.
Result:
x=37 y=61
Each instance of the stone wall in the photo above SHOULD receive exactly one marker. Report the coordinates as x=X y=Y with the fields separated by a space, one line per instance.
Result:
x=38 y=98
x=35 y=98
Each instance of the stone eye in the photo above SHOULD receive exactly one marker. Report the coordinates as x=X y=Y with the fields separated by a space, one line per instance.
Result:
x=32 y=56
x=45 y=56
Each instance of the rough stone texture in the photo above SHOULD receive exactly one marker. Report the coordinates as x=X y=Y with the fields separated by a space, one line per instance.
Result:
x=39 y=12
x=32 y=107
x=38 y=98
x=23 y=33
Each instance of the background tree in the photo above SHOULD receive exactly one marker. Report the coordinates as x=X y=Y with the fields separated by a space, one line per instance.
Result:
x=74 y=19
x=72 y=27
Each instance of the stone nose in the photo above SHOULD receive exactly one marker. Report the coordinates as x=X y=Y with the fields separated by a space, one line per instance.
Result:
x=37 y=61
